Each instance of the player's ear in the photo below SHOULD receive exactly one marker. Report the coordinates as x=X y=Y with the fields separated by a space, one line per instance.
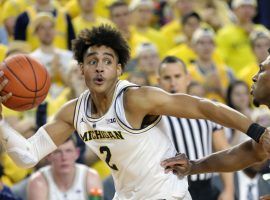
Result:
x=119 y=69
x=81 y=68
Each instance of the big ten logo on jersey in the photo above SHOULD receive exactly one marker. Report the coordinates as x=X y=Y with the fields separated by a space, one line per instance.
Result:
x=110 y=121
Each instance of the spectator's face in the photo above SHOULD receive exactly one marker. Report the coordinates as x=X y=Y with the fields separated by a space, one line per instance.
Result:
x=173 y=78
x=87 y=5
x=142 y=15
x=197 y=90
x=148 y=61
x=43 y=2
x=260 y=47
x=245 y=13
x=240 y=97
x=190 y=26
x=261 y=86
x=184 y=6
x=120 y=16
x=63 y=159
x=138 y=79
x=204 y=47
x=46 y=32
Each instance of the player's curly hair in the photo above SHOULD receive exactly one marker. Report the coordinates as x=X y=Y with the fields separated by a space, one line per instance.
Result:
x=98 y=36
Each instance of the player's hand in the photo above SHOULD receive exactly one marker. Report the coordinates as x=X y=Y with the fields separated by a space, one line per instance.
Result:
x=3 y=83
x=265 y=140
x=265 y=197
x=180 y=165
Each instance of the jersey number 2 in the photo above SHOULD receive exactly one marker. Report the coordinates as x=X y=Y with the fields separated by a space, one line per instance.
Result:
x=106 y=149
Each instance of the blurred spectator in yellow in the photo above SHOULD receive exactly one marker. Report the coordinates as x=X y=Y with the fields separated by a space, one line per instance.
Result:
x=215 y=77
x=184 y=50
x=142 y=15
x=196 y=89
x=11 y=9
x=54 y=59
x=233 y=39
x=215 y=13
x=73 y=8
x=173 y=31
x=87 y=18
x=75 y=80
x=63 y=178
x=139 y=78
x=146 y=61
x=64 y=29
x=120 y=16
x=3 y=50
x=260 y=42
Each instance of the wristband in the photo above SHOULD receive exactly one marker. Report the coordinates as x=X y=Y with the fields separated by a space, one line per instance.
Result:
x=255 y=131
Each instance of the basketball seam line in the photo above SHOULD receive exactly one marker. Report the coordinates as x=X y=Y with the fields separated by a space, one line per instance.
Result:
x=12 y=72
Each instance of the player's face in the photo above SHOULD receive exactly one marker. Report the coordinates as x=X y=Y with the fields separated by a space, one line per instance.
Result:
x=100 y=69
x=63 y=159
x=261 y=86
x=173 y=78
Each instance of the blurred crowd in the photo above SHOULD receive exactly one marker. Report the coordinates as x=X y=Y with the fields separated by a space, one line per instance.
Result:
x=221 y=43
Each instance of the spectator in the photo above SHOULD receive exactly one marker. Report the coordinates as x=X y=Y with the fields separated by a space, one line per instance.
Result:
x=63 y=178
x=64 y=29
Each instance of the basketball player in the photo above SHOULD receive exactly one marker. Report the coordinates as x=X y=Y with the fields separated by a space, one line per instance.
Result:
x=121 y=122
x=234 y=158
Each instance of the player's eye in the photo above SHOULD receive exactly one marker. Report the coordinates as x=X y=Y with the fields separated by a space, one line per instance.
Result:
x=92 y=62
x=108 y=62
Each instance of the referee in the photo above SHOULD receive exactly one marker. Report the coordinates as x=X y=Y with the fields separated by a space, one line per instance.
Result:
x=194 y=137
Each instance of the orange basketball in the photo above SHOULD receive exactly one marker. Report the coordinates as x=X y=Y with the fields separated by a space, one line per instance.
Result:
x=28 y=81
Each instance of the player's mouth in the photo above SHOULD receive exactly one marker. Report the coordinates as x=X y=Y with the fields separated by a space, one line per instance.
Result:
x=99 y=80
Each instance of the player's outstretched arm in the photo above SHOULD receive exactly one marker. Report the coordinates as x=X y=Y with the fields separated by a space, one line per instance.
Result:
x=232 y=159
x=27 y=153
x=154 y=101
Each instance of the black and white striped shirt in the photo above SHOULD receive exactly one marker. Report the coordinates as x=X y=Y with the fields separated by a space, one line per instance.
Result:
x=192 y=137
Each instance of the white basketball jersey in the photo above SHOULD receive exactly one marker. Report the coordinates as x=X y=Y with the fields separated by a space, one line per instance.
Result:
x=77 y=190
x=134 y=155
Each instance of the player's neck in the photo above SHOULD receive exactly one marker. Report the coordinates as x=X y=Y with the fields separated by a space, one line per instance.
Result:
x=64 y=182
x=100 y=103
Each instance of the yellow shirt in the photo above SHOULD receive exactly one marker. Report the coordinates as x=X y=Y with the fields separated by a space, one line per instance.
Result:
x=234 y=46
x=80 y=23
x=134 y=40
x=222 y=72
x=155 y=37
x=3 y=50
x=173 y=33
x=13 y=173
x=186 y=53
x=248 y=72
x=100 y=9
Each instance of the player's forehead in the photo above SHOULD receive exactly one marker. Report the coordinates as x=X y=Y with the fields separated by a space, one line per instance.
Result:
x=94 y=51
